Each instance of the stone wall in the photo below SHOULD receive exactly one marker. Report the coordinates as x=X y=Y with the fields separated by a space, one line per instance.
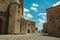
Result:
x=53 y=15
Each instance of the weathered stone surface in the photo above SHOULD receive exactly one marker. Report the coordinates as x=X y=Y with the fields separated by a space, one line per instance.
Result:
x=53 y=24
x=11 y=13
x=27 y=37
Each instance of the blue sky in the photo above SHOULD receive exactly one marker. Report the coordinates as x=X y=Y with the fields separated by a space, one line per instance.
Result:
x=35 y=10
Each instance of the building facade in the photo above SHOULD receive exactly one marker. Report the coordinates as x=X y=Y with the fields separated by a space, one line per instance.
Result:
x=53 y=23
x=11 y=13
x=45 y=26
x=27 y=26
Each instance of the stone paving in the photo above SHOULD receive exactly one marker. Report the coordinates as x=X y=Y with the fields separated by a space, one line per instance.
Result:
x=27 y=37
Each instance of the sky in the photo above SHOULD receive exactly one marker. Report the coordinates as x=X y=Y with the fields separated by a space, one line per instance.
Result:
x=35 y=10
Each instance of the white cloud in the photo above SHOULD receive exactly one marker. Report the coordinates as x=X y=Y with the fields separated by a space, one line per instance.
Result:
x=44 y=17
x=25 y=17
x=41 y=14
x=26 y=10
x=34 y=8
x=41 y=21
x=58 y=3
x=24 y=14
x=28 y=16
x=34 y=4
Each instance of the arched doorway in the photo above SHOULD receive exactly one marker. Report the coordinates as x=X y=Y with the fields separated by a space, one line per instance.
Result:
x=1 y=24
x=28 y=30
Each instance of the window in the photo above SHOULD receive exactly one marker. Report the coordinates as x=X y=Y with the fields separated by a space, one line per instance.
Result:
x=22 y=10
x=21 y=29
x=18 y=11
x=25 y=23
x=28 y=24
x=18 y=20
x=21 y=22
x=20 y=0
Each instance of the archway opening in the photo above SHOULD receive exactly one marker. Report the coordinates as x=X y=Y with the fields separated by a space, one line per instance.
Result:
x=28 y=31
x=1 y=24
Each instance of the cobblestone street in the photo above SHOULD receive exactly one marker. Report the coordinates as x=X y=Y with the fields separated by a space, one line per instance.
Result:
x=27 y=37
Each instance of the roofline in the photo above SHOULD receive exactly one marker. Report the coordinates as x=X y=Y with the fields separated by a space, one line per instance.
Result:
x=52 y=7
x=28 y=20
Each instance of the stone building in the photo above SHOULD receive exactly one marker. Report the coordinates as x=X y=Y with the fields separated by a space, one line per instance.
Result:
x=11 y=13
x=53 y=23
x=45 y=26
x=27 y=26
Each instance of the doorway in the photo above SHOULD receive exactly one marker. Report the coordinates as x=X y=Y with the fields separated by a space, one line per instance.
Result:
x=28 y=30
x=1 y=25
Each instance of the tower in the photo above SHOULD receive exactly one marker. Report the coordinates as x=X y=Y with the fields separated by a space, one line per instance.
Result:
x=10 y=13
x=14 y=18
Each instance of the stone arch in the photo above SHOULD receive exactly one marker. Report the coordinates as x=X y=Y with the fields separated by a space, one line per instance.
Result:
x=28 y=30
x=1 y=25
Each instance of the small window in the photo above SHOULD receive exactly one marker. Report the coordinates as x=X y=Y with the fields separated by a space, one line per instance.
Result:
x=28 y=24
x=18 y=20
x=22 y=10
x=18 y=11
x=51 y=18
x=25 y=23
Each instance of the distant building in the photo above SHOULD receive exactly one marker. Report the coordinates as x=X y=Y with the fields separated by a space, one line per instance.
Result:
x=27 y=26
x=53 y=24
x=45 y=26
x=11 y=14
